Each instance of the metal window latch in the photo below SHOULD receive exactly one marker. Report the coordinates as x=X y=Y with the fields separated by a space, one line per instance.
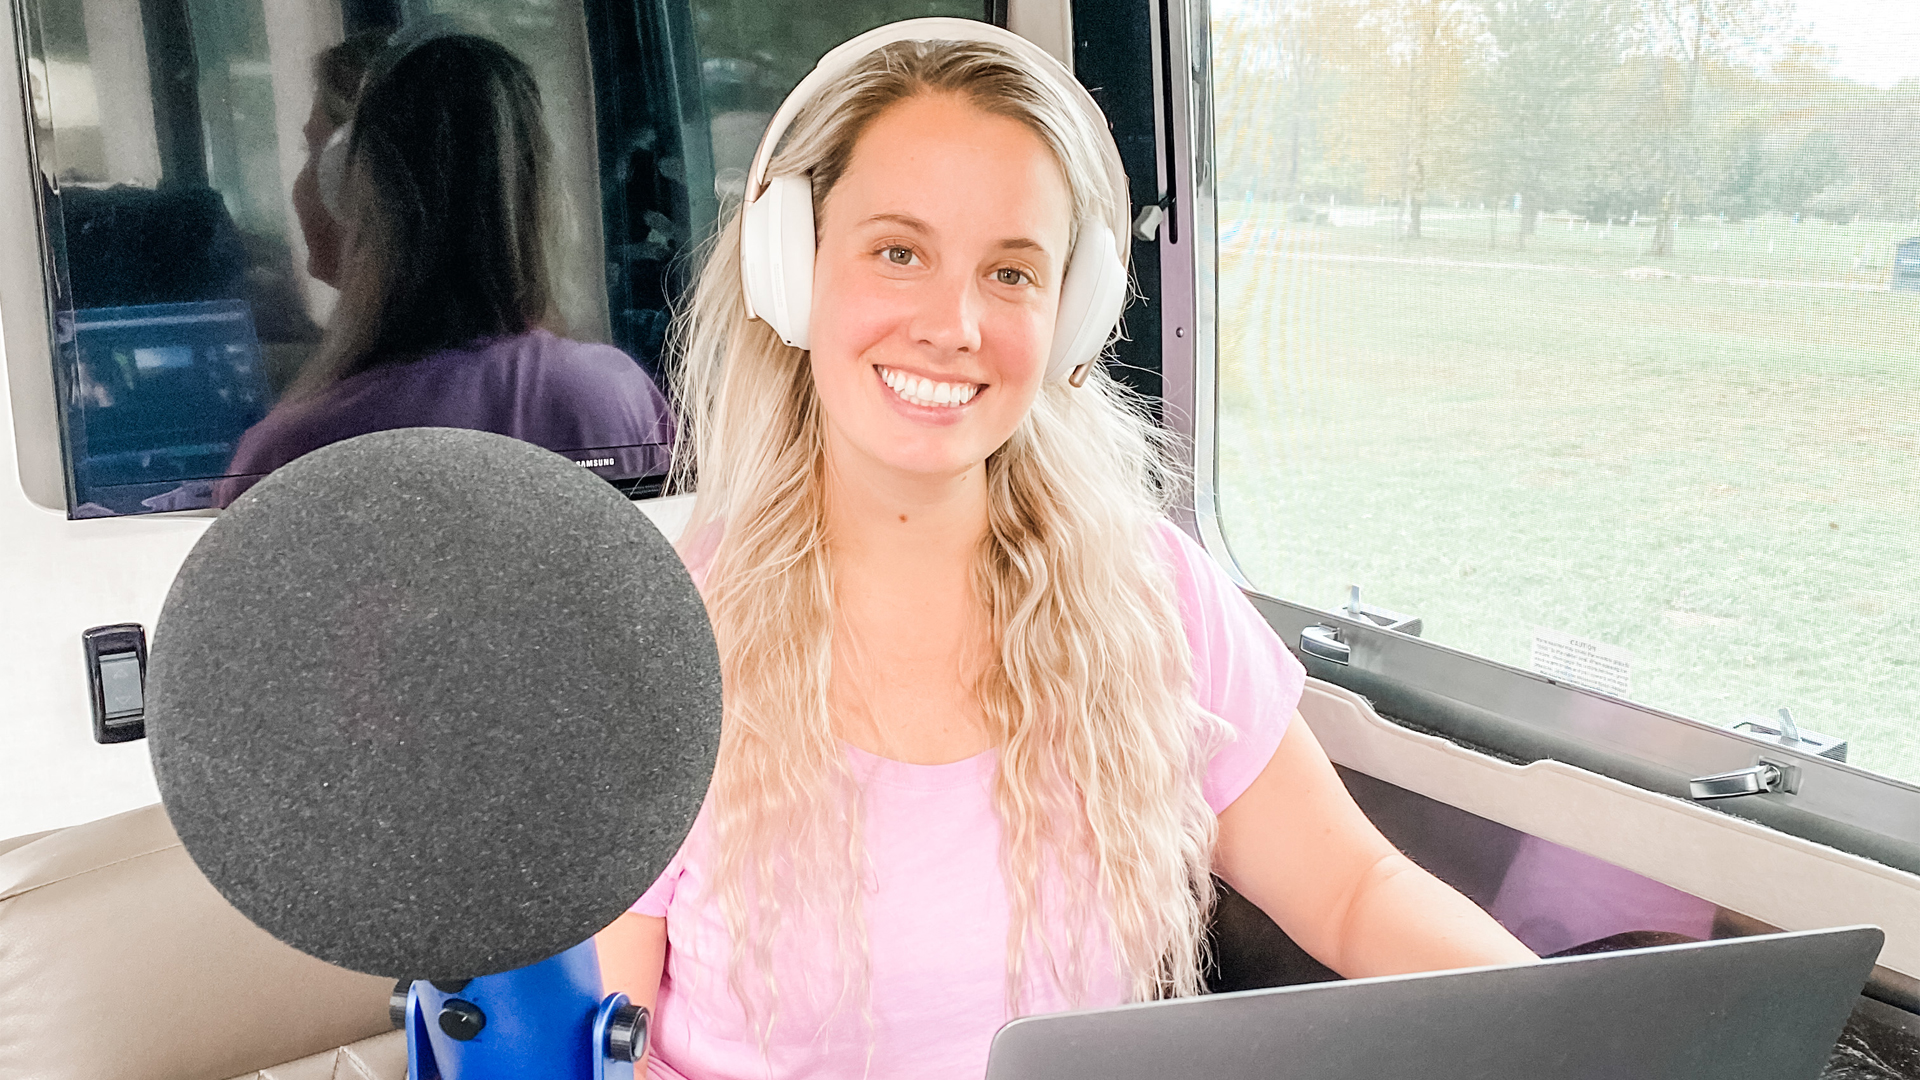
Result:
x=1790 y=734
x=1752 y=780
x=1324 y=642
x=1374 y=615
x=1146 y=223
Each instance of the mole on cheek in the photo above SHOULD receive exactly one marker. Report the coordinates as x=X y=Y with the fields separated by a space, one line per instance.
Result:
x=903 y=519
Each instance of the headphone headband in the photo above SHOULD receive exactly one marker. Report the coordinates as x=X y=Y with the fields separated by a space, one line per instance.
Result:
x=843 y=57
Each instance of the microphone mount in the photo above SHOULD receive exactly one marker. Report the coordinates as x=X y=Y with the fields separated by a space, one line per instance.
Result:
x=545 y=1021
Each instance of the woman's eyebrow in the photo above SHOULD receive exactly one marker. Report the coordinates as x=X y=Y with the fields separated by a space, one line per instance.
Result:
x=908 y=221
x=905 y=220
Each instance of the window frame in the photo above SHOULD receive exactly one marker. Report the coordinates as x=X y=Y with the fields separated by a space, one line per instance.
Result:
x=1510 y=712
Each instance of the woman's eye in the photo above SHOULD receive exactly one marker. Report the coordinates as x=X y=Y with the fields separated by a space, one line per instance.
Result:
x=898 y=256
x=1007 y=275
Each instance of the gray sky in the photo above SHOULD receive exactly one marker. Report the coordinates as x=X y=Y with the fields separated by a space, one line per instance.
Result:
x=1879 y=40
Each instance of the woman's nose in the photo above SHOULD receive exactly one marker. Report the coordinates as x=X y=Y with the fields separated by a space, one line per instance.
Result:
x=948 y=315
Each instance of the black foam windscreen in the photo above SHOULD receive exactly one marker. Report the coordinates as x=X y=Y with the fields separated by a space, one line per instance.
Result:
x=432 y=703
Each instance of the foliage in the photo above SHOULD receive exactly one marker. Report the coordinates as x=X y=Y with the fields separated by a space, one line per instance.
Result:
x=1614 y=110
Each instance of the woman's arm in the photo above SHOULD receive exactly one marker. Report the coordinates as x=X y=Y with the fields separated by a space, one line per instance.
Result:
x=1296 y=845
x=633 y=956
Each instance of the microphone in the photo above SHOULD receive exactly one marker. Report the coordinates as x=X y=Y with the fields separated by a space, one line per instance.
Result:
x=436 y=704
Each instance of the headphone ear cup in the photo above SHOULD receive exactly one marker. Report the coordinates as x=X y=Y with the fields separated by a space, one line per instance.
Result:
x=1092 y=295
x=776 y=257
x=330 y=172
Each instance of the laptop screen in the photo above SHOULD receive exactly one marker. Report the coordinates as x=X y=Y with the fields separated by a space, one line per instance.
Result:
x=158 y=399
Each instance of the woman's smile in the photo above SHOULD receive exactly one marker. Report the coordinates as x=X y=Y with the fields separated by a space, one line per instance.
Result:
x=922 y=392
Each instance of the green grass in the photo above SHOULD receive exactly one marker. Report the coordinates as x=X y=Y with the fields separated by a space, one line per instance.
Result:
x=1723 y=479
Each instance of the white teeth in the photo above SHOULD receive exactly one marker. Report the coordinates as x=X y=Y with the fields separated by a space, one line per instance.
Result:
x=919 y=391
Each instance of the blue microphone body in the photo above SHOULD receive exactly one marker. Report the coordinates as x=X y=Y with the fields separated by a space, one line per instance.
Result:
x=545 y=1021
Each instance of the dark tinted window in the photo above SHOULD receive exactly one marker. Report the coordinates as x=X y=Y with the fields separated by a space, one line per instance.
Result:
x=191 y=283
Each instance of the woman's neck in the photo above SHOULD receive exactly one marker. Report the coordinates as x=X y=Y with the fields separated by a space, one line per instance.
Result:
x=909 y=637
x=887 y=525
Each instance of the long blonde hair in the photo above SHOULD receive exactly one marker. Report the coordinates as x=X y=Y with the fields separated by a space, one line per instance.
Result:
x=1087 y=693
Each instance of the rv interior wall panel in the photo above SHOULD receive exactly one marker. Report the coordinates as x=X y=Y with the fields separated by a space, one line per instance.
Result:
x=1778 y=879
x=1046 y=23
x=33 y=435
x=117 y=53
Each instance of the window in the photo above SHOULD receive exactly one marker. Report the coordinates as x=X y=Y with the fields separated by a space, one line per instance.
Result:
x=169 y=136
x=1584 y=333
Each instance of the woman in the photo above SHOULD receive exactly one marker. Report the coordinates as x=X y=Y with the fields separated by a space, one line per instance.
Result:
x=990 y=723
x=338 y=73
x=447 y=305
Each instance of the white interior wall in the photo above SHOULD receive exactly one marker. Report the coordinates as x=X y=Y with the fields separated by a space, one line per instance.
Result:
x=117 y=49
x=58 y=578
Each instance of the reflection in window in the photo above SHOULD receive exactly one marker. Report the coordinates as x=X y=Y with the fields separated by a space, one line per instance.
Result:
x=196 y=266
x=1566 y=319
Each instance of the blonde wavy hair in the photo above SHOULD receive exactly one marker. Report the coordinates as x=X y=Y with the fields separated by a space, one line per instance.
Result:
x=1088 y=689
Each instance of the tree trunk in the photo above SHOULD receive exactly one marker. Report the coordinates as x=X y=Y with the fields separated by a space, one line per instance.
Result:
x=1293 y=157
x=1414 y=150
x=1663 y=228
x=1670 y=201
x=1416 y=198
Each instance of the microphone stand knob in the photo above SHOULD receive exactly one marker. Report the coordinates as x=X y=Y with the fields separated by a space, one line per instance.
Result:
x=398 y=1002
x=627 y=1033
x=461 y=1020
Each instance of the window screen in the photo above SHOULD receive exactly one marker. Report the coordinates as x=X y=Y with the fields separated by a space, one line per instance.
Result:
x=1588 y=334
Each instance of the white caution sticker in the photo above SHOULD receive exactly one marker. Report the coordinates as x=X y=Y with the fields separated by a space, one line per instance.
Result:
x=1592 y=664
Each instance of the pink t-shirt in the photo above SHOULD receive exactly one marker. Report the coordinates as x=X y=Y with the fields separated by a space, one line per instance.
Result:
x=937 y=918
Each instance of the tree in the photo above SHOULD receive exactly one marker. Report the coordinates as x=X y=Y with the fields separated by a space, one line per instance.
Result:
x=1541 y=94
x=1805 y=172
x=1271 y=65
x=1411 y=124
x=1743 y=191
x=1689 y=36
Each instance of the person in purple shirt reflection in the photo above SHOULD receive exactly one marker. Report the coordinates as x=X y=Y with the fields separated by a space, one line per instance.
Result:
x=438 y=193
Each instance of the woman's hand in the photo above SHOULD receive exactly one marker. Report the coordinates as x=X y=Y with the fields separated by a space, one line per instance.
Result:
x=1296 y=845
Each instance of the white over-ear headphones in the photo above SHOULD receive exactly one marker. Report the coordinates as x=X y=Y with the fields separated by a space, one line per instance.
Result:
x=776 y=226
x=330 y=172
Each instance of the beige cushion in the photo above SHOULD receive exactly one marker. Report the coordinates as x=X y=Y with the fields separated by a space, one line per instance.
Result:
x=117 y=959
x=383 y=1057
x=21 y=841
